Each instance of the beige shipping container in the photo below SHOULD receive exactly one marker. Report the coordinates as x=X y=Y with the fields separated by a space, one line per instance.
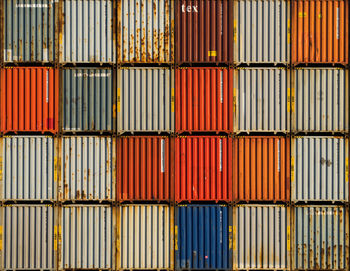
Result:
x=320 y=100
x=262 y=31
x=145 y=31
x=145 y=237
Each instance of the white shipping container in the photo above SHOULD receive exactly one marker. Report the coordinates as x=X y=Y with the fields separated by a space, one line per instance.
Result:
x=28 y=237
x=321 y=98
x=29 y=168
x=262 y=31
x=87 y=32
x=145 y=100
x=88 y=168
x=88 y=237
x=321 y=237
x=145 y=31
x=320 y=169
x=146 y=237
x=261 y=100
x=261 y=237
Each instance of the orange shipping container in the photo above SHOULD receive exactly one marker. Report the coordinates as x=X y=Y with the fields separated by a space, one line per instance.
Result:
x=144 y=168
x=261 y=168
x=320 y=30
x=29 y=99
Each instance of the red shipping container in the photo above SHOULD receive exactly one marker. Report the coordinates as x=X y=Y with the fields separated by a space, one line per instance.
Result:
x=29 y=99
x=204 y=99
x=203 y=168
x=320 y=31
x=204 y=31
x=261 y=168
x=144 y=168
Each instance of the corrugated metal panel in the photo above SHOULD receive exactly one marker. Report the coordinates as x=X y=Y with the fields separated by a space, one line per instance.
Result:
x=320 y=31
x=145 y=31
x=262 y=238
x=29 y=31
x=89 y=168
x=321 y=238
x=146 y=237
x=144 y=170
x=87 y=31
x=203 y=99
x=203 y=236
x=262 y=31
x=88 y=237
x=145 y=100
x=321 y=100
x=202 y=168
x=29 y=168
x=29 y=99
x=88 y=100
x=320 y=169
x=28 y=235
x=203 y=31
x=261 y=100
x=261 y=167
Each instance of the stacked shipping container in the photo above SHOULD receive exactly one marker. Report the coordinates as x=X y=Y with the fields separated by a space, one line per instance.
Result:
x=174 y=135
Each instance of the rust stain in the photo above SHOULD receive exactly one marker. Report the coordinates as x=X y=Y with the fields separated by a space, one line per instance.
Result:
x=78 y=194
x=155 y=41
x=83 y=194
x=328 y=257
x=66 y=190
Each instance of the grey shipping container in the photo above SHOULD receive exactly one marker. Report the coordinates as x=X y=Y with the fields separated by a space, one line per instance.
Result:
x=262 y=31
x=89 y=100
x=88 y=168
x=320 y=169
x=145 y=100
x=261 y=100
x=29 y=168
x=88 y=237
x=145 y=31
x=28 y=237
x=29 y=30
x=87 y=32
x=146 y=237
x=261 y=237
x=321 y=238
x=321 y=98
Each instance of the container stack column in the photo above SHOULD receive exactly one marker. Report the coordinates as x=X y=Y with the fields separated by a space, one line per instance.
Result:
x=320 y=129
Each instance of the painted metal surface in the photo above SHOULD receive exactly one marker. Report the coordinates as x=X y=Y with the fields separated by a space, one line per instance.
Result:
x=28 y=237
x=321 y=238
x=203 y=99
x=146 y=237
x=203 y=31
x=262 y=238
x=320 y=31
x=203 y=236
x=29 y=99
x=88 y=237
x=144 y=169
x=88 y=100
x=87 y=34
x=145 y=31
x=145 y=101
x=321 y=100
x=320 y=169
x=29 y=30
x=262 y=31
x=88 y=168
x=261 y=100
x=29 y=168
x=261 y=168
x=203 y=169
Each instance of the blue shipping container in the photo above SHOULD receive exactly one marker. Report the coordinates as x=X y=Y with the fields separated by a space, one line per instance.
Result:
x=203 y=237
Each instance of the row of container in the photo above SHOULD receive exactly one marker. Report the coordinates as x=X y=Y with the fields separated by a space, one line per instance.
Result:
x=180 y=31
x=174 y=101
x=195 y=237
x=193 y=168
